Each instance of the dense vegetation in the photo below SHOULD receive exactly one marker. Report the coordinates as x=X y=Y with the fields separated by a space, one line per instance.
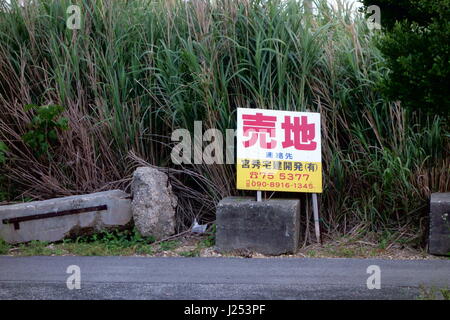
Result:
x=416 y=45
x=137 y=70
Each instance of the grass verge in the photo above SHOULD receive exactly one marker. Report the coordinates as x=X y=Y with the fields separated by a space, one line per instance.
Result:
x=129 y=243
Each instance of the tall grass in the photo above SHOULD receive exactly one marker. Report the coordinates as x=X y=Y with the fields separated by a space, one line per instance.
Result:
x=137 y=70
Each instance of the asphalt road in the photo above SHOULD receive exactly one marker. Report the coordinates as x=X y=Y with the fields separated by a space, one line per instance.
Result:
x=216 y=278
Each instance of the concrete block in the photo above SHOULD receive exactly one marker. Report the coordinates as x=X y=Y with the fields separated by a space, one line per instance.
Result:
x=439 y=236
x=96 y=212
x=270 y=227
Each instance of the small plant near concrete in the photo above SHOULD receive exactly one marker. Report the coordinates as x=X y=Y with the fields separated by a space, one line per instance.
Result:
x=169 y=245
x=311 y=253
x=4 y=247
x=44 y=127
x=105 y=243
x=210 y=240
x=190 y=254
x=207 y=242
x=445 y=293
x=116 y=238
x=434 y=293
x=145 y=250
x=35 y=248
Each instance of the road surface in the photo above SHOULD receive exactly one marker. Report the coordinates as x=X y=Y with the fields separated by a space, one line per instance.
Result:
x=216 y=278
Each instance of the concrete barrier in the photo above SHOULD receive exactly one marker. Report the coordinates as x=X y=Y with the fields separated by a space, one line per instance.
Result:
x=439 y=236
x=270 y=227
x=56 y=219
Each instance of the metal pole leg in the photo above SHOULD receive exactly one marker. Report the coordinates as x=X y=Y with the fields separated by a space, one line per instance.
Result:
x=316 y=216
x=258 y=196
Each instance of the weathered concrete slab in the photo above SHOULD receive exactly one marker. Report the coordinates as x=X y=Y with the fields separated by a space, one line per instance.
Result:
x=269 y=227
x=116 y=213
x=439 y=237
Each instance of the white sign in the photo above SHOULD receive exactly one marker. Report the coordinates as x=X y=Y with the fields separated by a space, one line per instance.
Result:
x=278 y=150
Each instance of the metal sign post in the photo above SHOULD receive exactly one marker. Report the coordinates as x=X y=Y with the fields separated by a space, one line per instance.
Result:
x=316 y=216
x=258 y=196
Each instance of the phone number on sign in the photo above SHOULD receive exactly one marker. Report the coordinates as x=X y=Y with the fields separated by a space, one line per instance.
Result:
x=276 y=184
x=280 y=176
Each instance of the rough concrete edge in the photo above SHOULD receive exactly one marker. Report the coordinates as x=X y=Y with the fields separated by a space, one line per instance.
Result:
x=245 y=252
